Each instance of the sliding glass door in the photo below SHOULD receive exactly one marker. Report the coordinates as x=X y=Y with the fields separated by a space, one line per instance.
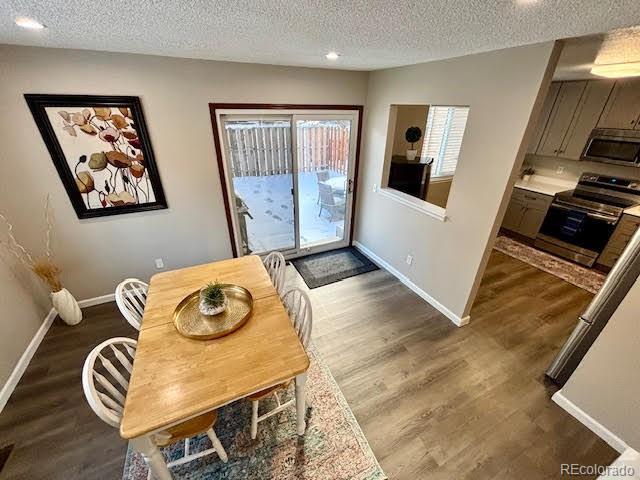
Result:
x=323 y=176
x=260 y=166
x=289 y=179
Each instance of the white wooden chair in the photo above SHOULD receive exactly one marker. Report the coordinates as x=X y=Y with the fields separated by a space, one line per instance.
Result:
x=131 y=297
x=298 y=307
x=105 y=380
x=275 y=265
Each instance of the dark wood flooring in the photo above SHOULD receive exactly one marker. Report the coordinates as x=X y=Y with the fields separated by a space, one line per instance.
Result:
x=435 y=401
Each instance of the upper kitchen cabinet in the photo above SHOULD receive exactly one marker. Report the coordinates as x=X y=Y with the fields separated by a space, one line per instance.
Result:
x=586 y=118
x=623 y=108
x=570 y=112
x=547 y=106
x=561 y=117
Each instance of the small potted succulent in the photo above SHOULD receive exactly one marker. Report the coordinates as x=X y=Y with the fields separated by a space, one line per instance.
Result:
x=213 y=300
x=526 y=174
x=412 y=135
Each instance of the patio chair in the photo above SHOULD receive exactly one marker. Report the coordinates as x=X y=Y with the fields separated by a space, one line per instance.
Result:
x=329 y=201
x=322 y=176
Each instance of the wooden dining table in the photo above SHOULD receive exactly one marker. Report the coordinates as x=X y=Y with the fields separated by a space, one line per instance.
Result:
x=175 y=379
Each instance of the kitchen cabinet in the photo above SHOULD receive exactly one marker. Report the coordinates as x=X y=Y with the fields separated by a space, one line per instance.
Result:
x=570 y=111
x=585 y=118
x=532 y=221
x=561 y=116
x=526 y=212
x=623 y=107
x=625 y=229
x=513 y=215
x=547 y=106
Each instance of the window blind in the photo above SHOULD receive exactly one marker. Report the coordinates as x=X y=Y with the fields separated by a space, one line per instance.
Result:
x=443 y=138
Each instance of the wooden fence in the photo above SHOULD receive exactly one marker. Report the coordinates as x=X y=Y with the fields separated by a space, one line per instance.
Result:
x=258 y=150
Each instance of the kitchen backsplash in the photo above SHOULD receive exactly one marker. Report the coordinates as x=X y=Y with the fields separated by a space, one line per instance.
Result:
x=572 y=169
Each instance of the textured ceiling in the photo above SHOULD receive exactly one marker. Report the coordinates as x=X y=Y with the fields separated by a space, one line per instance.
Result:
x=579 y=55
x=370 y=34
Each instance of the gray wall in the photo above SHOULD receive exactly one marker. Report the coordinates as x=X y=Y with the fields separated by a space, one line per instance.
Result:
x=501 y=88
x=572 y=169
x=23 y=304
x=175 y=94
x=96 y=254
x=606 y=384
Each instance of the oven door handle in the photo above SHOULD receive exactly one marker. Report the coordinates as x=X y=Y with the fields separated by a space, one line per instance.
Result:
x=606 y=218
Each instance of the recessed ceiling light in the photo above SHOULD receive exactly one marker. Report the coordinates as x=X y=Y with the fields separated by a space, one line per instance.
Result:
x=617 y=70
x=332 y=56
x=26 y=22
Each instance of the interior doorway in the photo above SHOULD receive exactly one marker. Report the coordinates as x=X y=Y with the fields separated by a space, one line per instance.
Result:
x=288 y=174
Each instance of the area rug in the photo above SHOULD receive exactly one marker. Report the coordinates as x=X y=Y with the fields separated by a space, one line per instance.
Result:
x=585 y=278
x=333 y=447
x=330 y=267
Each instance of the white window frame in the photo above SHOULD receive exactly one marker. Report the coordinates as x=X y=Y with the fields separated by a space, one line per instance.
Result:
x=436 y=168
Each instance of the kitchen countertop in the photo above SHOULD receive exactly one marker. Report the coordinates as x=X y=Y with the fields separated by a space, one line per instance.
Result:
x=635 y=211
x=550 y=186
x=546 y=185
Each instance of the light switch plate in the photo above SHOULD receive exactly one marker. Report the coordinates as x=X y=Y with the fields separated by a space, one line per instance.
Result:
x=159 y=263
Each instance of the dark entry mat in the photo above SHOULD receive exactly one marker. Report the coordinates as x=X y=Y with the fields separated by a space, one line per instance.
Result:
x=329 y=267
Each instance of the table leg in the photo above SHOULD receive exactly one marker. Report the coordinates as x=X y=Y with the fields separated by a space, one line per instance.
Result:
x=153 y=457
x=301 y=410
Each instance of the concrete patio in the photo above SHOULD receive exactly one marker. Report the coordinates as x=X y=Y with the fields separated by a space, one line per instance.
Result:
x=270 y=204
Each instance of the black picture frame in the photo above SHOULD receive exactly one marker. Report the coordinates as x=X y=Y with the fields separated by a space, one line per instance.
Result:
x=39 y=102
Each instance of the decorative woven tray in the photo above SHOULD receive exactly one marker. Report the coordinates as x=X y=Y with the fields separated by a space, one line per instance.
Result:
x=192 y=324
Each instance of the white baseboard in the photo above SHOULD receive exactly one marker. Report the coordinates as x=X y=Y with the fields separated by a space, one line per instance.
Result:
x=629 y=460
x=589 y=422
x=459 y=321
x=27 y=355
x=90 y=302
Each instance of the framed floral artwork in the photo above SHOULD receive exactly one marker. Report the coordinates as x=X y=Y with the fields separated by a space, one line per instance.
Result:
x=101 y=149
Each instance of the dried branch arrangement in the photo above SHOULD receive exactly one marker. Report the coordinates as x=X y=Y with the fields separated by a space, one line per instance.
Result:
x=44 y=267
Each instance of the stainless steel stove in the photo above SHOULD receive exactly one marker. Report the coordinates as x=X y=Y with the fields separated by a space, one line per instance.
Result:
x=579 y=222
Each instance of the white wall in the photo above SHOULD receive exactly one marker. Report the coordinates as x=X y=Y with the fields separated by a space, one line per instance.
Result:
x=606 y=384
x=96 y=254
x=501 y=88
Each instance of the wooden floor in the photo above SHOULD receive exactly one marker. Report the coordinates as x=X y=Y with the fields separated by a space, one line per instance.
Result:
x=435 y=401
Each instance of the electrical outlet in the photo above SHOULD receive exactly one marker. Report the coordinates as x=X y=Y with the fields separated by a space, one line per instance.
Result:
x=409 y=259
x=560 y=170
x=375 y=187
x=159 y=263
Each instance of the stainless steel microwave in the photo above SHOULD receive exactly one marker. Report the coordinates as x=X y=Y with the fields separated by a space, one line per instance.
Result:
x=620 y=147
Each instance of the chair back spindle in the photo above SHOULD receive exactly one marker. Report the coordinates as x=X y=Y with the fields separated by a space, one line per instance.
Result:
x=105 y=378
x=131 y=297
x=275 y=265
x=298 y=307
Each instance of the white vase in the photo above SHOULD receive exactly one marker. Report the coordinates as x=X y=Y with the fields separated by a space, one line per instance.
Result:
x=67 y=307
x=411 y=154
